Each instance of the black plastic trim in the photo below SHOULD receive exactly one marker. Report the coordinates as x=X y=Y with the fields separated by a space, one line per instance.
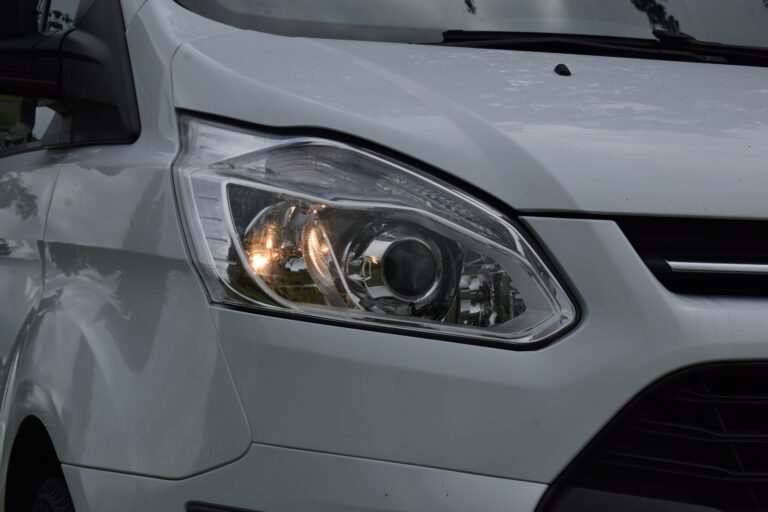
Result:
x=560 y=484
x=97 y=83
x=661 y=240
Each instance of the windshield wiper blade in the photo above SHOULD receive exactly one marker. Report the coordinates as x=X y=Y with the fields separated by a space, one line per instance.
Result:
x=733 y=54
x=665 y=45
x=565 y=43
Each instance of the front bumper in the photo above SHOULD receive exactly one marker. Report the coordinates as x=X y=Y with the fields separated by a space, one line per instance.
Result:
x=272 y=479
x=345 y=419
x=519 y=415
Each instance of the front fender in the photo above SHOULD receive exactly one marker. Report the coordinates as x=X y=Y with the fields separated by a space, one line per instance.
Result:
x=122 y=362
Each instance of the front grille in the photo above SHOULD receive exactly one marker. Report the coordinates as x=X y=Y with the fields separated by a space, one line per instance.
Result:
x=722 y=246
x=695 y=442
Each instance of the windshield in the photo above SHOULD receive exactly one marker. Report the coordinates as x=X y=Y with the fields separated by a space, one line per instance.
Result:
x=734 y=22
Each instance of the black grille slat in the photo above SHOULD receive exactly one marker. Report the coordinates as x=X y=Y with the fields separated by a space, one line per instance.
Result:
x=671 y=466
x=677 y=431
x=697 y=439
x=720 y=399
x=668 y=467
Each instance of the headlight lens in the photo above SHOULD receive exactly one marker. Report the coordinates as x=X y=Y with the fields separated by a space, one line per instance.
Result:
x=328 y=230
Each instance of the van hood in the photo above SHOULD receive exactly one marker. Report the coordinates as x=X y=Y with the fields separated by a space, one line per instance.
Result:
x=618 y=136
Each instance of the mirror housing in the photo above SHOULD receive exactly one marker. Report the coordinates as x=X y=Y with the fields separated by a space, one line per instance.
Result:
x=86 y=70
x=19 y=18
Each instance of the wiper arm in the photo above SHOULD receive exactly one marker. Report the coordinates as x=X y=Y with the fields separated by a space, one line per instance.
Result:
x=673 y=38
x=666 y=45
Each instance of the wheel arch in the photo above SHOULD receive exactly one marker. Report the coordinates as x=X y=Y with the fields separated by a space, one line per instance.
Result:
x=32 y=461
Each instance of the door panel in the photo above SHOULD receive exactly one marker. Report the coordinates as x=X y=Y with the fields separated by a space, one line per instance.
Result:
x=26 y=186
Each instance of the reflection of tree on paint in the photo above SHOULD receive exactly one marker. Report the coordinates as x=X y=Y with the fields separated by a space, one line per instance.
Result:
x=5 y=250
x=658 y=16
x=14 y=192
x=58 y=20
x=472 y=8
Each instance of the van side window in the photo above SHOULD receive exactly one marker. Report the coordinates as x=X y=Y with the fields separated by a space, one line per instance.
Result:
x=25 y=124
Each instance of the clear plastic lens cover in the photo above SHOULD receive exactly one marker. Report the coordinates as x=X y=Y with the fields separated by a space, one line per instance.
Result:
x=328 y=230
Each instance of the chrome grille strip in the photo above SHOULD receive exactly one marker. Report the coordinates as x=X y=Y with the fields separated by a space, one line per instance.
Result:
x=718 y=268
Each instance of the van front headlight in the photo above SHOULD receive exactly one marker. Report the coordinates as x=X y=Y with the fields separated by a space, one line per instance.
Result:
x=327 y=230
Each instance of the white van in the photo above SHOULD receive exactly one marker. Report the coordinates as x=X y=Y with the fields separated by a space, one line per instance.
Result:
x=383 y=255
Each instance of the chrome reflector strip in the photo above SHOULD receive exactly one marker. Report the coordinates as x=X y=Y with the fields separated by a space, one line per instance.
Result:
x=718 y=268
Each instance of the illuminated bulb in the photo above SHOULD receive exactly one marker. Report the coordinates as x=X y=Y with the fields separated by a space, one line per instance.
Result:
x=260 y=260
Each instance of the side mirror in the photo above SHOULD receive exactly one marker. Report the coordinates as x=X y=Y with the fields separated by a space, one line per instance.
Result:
x=86 y=69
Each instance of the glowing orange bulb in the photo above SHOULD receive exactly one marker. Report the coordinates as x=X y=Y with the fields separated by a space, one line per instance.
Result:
x=260 y=260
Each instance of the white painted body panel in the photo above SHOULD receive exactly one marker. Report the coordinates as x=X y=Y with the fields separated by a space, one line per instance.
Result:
x=155 y=398
x=270 y=478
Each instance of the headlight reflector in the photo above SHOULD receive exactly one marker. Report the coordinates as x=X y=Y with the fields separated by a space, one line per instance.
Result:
x=328 y=230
